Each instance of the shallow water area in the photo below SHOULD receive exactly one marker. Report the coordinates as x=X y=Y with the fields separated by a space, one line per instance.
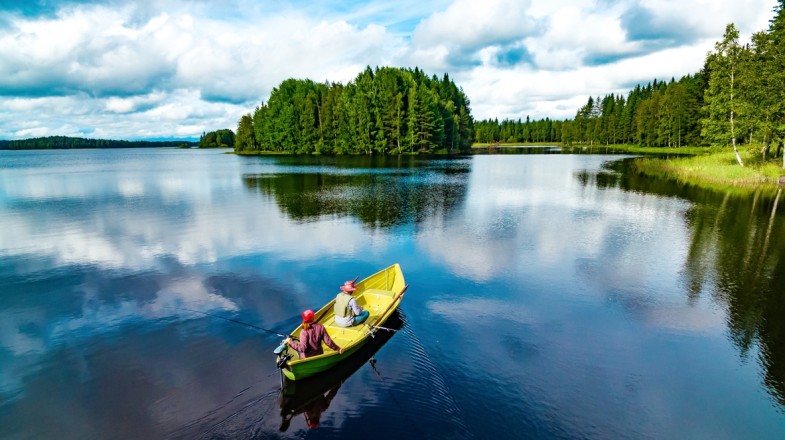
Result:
x=551 y=296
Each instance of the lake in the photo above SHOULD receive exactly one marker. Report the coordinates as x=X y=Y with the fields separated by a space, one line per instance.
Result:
x=551 y=296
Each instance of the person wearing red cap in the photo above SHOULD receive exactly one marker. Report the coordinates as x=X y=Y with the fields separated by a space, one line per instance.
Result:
x=347 y=311
x=311 y=338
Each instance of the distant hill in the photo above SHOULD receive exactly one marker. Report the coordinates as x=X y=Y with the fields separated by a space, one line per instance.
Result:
x=66 y=142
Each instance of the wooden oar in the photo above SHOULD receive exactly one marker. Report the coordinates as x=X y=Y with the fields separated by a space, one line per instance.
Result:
x=397 y=297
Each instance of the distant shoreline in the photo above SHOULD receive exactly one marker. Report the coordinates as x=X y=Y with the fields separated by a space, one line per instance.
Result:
x=73 y=143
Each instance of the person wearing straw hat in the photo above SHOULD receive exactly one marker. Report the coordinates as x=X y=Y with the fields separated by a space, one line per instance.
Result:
x=311 y=338
x=347 y=311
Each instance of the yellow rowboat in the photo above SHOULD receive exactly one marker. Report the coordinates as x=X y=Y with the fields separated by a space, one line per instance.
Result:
x=380 y=294
x=312 y=396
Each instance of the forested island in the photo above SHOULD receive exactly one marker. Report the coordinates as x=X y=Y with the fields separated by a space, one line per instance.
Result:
x=382 y=111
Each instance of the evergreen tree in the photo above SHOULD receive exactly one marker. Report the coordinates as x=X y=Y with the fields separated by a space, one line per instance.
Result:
x=245 y=141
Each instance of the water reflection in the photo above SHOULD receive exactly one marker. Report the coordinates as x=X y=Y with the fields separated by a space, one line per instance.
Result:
x=143 y=219
x=92 y=306
x=519 y=149
x=736 y=256
x=735 y=253
x=379 y=192
x=553 y=296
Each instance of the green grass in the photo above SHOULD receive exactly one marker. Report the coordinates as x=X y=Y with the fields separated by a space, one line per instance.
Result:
x=636 y=149
x=716 y=170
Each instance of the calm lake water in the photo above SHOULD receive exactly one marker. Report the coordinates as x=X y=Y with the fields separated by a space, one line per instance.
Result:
x=551 y=296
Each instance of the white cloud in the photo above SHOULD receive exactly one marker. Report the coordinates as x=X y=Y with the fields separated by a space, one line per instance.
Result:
x=469 y=24
x=176 y=68
x=558 y=93
x=709 y=17
x=178 y=113
x=573 y=34
x=117 y=104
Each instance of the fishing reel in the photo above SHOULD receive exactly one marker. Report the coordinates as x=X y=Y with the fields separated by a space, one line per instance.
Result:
x=282 y=359
x=282 y=355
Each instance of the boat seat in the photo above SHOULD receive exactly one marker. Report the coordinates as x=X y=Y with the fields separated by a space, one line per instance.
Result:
x=379 y=292
x=375 y=300
x=342 y=335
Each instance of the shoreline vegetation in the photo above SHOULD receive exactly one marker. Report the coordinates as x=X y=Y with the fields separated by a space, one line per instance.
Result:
x=706 y=167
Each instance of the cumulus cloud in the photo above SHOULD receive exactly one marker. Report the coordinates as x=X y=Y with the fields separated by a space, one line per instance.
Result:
x=175 y=68
x=679 y=22
x=456 y=35
x=179 y=113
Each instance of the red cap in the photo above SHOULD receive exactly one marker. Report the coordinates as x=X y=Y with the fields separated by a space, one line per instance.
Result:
x=307 y=316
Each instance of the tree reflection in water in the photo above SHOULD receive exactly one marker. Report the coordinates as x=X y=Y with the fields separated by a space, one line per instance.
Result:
x=379 y=192
x=736 y=255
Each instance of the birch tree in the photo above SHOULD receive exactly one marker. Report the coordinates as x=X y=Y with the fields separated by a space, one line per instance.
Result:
x=722 y=101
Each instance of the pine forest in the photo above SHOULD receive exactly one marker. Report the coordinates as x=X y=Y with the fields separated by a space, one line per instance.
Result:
x=383 y=111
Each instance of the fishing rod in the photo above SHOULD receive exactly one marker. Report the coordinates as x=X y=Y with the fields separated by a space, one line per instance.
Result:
x=239 y=322
x=251 y=325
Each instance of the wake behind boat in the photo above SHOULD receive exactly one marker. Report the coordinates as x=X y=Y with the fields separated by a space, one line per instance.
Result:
x=380 y=294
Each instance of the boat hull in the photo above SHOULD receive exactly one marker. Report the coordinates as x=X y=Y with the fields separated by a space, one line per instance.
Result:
x=380 y=294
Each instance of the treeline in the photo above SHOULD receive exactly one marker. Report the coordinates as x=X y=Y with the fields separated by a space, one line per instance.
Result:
x=67 y=142
x=737 y=98
x=217 y=139
x=659 y=114
x=382 y=111
x=492 y=131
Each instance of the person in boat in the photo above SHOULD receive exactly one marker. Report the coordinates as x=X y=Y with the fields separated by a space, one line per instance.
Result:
x=347 y=311
x=311 y=338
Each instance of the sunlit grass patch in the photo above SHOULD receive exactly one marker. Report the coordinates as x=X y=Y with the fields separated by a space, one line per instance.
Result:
x=715 y=170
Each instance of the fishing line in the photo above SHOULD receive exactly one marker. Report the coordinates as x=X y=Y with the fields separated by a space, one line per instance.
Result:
x=237 y=322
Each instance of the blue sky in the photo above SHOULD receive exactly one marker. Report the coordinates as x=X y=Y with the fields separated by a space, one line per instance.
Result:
x=174 y=69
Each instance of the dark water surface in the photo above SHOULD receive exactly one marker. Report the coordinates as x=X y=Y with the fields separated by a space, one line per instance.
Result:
x=552 y=296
